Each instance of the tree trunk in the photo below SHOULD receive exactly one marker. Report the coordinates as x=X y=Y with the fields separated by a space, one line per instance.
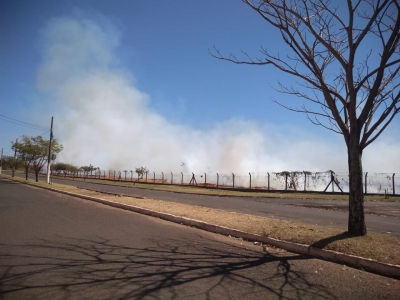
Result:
x=37 y=175
x=356 y=224
x=26 y=172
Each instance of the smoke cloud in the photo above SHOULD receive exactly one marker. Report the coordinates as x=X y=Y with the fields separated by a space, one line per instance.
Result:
x=104 y=120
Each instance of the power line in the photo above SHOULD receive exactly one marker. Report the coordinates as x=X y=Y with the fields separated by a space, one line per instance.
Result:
x=21 y=123
x=6 y=152
x=46 y=132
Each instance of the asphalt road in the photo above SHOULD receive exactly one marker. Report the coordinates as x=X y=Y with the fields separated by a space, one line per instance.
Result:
x=381 y=217
x=58 y=247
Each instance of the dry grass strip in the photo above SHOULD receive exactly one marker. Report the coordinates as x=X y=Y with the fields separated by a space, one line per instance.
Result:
x=239 y=193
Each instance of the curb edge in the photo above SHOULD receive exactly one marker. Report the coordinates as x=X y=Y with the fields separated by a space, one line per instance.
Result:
x=328 y=255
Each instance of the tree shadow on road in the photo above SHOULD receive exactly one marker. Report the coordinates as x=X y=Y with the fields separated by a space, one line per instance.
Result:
x=326 y=241
x=102 y=269
x=5 y=181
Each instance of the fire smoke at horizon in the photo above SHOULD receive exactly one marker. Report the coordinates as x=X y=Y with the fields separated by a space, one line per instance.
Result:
x=104 y=120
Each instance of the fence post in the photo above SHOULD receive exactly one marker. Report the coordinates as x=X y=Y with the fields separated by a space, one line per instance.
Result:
x=181 y=178
x=172 y=177
x=305 y=180
x=233 y=180
x=394 y=192
x=333 y=182
x=205 y=179
x=217 y=180
x=268 y=181
x=162 y=177
x=286 y=181
x=250 y=180
x=154 y=175
x=365 y=182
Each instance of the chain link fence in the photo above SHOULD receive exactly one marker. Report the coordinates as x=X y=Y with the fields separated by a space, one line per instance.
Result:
x=329 y=181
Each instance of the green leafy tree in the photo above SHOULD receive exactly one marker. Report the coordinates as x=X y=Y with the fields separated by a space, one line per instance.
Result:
x=347 y=59
x=8 y=163
x=141 y=171
x=89 y=169
x=34 y=152
x=64 y=168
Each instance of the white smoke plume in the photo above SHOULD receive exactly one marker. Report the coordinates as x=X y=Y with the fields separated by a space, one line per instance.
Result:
x=104 y=120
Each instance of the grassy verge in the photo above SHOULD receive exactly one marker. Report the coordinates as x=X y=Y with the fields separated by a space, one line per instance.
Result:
x=238 y=193
x=379 y=247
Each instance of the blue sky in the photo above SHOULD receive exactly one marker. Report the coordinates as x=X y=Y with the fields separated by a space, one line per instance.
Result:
x=131 y=83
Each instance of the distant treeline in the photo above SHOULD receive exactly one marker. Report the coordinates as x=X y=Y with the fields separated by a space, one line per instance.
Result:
x=8 y=162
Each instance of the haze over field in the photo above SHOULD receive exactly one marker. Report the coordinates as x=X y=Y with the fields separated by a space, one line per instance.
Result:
x=147 y=93
x=104 y=119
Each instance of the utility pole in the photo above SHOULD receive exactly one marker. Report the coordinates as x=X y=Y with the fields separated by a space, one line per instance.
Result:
x=49 y=157
x=15 y=155
x=1 y=160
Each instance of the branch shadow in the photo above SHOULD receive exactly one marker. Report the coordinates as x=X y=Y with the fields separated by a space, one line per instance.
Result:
x=326 y=241
x=102 y=269
x=4 y=181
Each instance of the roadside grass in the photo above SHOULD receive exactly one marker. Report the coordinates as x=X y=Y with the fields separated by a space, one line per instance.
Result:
x=185 y=189
x=378 y=247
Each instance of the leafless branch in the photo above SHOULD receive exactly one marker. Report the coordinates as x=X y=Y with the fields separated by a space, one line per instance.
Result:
x=327 y=53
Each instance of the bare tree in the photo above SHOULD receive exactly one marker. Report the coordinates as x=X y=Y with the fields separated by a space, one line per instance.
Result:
x=348 y=60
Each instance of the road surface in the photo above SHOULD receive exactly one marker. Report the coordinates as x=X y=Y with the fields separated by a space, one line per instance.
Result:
x=58 y=247
x=381 y=217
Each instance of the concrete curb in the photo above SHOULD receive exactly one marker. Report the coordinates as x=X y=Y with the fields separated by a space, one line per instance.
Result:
x=328 y=255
